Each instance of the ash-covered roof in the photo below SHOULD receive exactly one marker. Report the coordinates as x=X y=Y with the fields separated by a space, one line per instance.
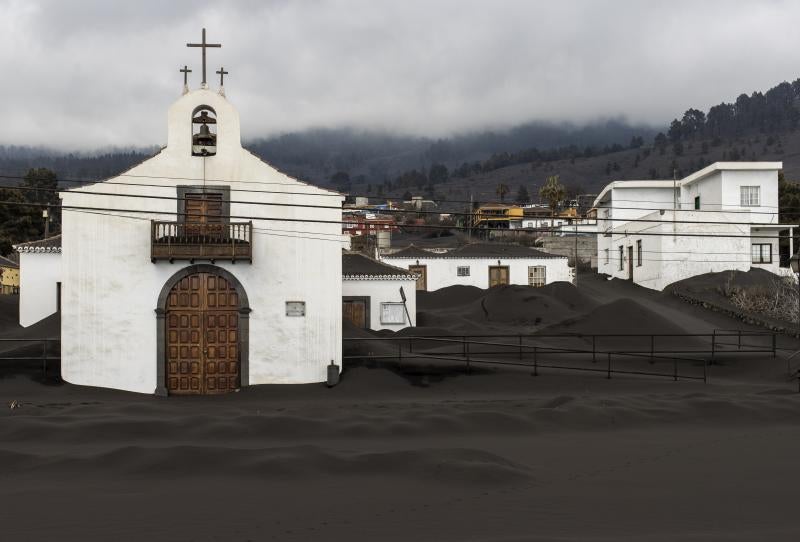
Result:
x=411 y=251
x=5 y=262
x=476 y=250
x=355 y=265
x=50 y=244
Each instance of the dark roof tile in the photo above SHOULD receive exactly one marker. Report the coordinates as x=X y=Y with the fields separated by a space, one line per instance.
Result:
x=359 y=265
x=50 y=244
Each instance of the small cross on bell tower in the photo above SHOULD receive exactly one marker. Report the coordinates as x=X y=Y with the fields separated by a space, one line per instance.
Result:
x=222 y=73
x=186 y=71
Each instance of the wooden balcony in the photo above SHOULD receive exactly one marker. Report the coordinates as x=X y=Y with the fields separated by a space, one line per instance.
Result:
x=191 y=241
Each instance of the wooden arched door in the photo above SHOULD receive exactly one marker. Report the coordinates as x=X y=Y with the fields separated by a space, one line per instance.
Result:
x=202 y=336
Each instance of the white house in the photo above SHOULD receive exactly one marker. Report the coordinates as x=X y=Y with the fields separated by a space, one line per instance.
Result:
x=481 y=264
x=198 y=271
x=39 y=279
x=723 y=217
x=376 y=295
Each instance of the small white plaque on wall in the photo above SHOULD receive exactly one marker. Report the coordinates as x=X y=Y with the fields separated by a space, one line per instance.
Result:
x=295 y=308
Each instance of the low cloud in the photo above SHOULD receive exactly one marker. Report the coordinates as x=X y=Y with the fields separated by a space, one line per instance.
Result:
x=87 y=74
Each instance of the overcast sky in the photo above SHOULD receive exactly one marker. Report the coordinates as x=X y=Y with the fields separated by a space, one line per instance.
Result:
x=84 y=74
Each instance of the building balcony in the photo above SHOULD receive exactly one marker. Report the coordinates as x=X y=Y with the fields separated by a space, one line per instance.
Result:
x=192 y=241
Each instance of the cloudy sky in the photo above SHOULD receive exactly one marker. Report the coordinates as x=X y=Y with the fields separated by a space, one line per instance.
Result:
x=82 y=74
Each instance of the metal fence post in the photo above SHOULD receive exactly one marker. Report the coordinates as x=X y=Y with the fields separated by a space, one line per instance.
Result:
x=652 y=348
x=713 y=345
x=675 y=369
x=44 y=358
x=466 y=345
x=535 y=361
x=705 y=372
x=608 y=374
x=520 y=347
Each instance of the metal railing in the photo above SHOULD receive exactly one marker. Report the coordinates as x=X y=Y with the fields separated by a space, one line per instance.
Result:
x=49 y=350
x=193 y=241
x=532 y=351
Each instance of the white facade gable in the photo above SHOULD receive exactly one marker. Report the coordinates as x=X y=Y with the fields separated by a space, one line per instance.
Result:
x=113 y=332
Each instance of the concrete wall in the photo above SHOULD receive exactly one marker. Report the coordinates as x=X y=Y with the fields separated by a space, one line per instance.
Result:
x=627 y=204
x=732 y=181
x=383 y=291
x=40 y=274
x=110 y=287
x=443 y=272
x=565 y=246
x=668 y=258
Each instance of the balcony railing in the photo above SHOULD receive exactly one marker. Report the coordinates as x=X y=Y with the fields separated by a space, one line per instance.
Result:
x=191 y=241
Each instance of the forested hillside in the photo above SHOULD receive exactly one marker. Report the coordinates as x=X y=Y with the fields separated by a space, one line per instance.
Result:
x=492 y=165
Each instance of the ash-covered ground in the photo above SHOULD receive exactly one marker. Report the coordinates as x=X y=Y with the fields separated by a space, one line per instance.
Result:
x=496 y=454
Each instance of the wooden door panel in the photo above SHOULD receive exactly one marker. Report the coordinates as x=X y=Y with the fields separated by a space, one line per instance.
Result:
x=422 y=272
x=184 y=353
x=356 y=312
x=498 y=276
x=202 y=336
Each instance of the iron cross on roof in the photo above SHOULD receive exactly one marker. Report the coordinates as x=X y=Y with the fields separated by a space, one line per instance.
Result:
x=204 y=46
x=186 y=71
x=222 y=73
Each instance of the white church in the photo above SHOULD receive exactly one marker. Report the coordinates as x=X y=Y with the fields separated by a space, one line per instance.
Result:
x=200 y=270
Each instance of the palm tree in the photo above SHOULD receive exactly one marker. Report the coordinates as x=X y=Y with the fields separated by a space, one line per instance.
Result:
x=553 y=192
x=502 y=190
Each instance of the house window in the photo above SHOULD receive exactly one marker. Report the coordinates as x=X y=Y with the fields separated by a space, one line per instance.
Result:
x=750 y=196
x=638 y=253
x=393 y=313
x=608 y=256
x=697 y=202
x=621 y=257
x=762 y=253
x=462 y=270
x=537 y=275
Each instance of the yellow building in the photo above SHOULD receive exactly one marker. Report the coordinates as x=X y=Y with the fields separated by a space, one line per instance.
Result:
x=9 y=276
x=497 y=216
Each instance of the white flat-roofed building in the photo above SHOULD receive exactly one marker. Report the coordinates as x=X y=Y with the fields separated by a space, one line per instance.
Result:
x=723 y=217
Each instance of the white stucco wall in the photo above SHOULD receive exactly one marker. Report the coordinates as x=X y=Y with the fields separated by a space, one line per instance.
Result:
x=680 y=251
x=732 y=181
x=443 y=272
x=719 y=188
x=40 y=273
x=383 y=291
x=110 y=287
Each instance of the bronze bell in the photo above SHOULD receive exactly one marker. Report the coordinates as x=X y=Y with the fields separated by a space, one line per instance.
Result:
x=204 y=137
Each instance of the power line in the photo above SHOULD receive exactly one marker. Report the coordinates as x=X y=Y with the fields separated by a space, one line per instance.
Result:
x=400 y=226
x=282 y=233
x=260 y=231
x=391 y=211
x=330 y=193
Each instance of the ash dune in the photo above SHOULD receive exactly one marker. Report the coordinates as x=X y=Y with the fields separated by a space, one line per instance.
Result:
x=422 y=450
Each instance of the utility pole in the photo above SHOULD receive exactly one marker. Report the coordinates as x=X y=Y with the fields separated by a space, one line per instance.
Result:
x=576 y=252
x=674 y=202
x=469 y=218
